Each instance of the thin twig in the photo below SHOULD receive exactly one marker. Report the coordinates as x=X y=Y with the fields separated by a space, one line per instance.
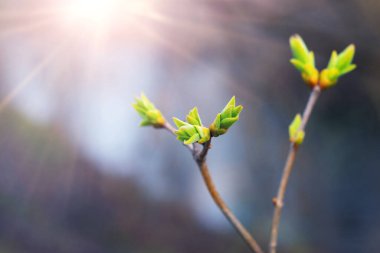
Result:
x=200 y=159
x=278 y=201
x=310 y=106
x=243 y=232
x=169 y=127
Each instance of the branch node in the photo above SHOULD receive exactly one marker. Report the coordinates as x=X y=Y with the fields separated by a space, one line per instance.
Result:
x=277 y=202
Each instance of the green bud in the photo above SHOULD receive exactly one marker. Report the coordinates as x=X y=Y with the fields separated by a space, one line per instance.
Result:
x=338 y=65
x=295 y=134
x=148 y=112
x=224 y=120
x=310 y=75
x=329 y=77
x=191 y=131
x=189 y=134
x=303 y=60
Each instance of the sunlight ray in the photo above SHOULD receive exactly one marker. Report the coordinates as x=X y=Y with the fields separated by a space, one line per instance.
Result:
x=95 y=50
x=12 y=14
x=166 y=43
x=24 y=28
x=210 y=29
x=228 y=81
x=32 y=74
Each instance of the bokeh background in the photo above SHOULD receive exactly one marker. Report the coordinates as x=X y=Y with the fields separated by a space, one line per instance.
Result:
x=77 y=174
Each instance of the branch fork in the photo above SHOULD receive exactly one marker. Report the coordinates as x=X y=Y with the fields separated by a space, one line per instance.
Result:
x=193 y=134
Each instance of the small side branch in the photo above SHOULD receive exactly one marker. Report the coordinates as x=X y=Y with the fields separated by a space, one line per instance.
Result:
x=278 y=201
x=169 y=127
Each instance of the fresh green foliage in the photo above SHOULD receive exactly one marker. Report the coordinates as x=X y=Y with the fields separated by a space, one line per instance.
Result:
x=148 y=112
x=191 y=131
x=296 y=135
x=338 y=65
x=225 y=119
x=303 y=60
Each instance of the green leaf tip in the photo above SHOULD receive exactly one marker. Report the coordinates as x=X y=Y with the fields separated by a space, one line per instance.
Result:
x=299 y=48
x=150 y=115
x=339 y=65
x=194 y=118
x=296 y=135
x=303 y=60
x=226 y=118
x=192 y=130
x=178 y=122
x=232 y=102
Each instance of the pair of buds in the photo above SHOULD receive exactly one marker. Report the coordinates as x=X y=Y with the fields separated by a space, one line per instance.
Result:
x=304 y=61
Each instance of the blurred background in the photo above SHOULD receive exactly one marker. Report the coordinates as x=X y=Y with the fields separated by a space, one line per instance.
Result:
x=78 y=175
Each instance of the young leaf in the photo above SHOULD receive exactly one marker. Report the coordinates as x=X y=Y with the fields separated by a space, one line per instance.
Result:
x=345 y=58
x=179 y=122
x=339 y=65
x=303 y=60
x=299 y=48
x=192 y=139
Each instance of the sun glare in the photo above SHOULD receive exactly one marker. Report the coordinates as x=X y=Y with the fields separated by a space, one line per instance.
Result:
x=95 y=14
x=89 y=12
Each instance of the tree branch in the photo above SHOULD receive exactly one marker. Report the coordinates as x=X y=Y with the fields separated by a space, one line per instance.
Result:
x=242 y=231
x=200 y=159
x=278 y=201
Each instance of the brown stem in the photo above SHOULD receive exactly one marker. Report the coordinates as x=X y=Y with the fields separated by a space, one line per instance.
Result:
x=278 y=201
x=200 y=158
x=243 y=232
x=310 y=106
